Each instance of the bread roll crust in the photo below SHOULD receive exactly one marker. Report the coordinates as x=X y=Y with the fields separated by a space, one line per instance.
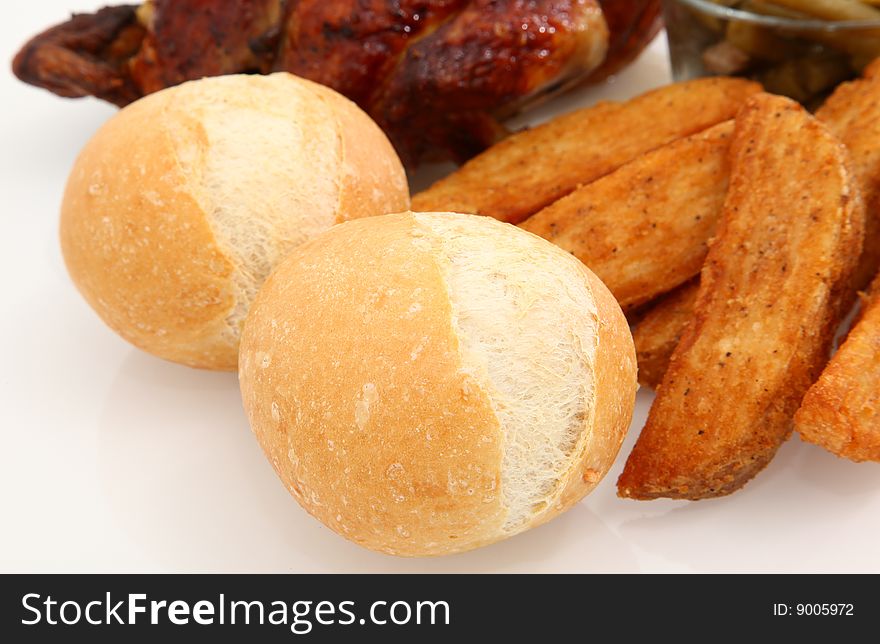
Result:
x=355 y=384
x=179 y=206
x=372 y=178
x=161 y=282
x=375 y=490
x=614 y=371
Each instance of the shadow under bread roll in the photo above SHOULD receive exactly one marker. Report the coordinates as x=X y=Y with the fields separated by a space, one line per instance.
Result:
x=180 y=205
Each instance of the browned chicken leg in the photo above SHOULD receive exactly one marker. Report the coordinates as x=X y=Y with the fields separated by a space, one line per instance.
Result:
x=451 y=86
x=437 y=75
x=88 y=55
x=191 y=39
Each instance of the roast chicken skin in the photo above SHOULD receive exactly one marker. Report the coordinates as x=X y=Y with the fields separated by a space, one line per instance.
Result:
x=437 y=75
x=195 y=38
x=87 y=55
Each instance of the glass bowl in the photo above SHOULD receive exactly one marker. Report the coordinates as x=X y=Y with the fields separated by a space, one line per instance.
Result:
x=798 y=48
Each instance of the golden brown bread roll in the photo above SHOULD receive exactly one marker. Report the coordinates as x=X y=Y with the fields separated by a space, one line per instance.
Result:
x=429 y=383
x=181 y=204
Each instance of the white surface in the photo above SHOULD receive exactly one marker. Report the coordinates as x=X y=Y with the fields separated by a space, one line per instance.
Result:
x=112 y=460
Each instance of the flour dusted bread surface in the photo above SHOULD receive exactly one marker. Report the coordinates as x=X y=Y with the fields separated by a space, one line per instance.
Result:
x=429 y=383
x=181 y=204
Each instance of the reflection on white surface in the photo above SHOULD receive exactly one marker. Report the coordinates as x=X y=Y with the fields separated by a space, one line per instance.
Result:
x=186 y=482
x=806 y=511
x=113 y=460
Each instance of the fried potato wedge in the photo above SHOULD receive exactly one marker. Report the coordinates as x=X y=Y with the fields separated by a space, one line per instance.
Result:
x=841 y=411
x=644 y=228
x=852 y=113
x=533 y=168
x=769 y=301
x=657 y=333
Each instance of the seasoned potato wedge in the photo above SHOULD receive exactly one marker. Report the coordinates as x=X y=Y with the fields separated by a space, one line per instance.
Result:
x=657 y=333
x=644 y=228
x=535 y=167
x=841 y=411
x=852 y=112
x=769 y=301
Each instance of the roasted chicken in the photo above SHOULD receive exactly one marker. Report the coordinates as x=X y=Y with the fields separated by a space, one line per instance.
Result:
x=439 y=76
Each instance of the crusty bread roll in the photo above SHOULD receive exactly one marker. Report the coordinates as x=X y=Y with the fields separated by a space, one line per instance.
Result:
x=429 y=383
x=181 y=204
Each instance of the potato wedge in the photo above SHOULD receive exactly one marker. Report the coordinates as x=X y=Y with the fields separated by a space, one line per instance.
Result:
x=841 y=411
x=852 y=113
x=768 y=304
x=644 y=228
x=657 y=334
x=872 y=70
x=535 y=167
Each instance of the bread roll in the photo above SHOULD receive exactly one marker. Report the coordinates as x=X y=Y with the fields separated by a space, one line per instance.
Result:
x=429 y=383
x=181 y=204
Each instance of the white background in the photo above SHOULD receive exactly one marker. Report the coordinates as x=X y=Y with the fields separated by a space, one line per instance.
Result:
x=112 y=460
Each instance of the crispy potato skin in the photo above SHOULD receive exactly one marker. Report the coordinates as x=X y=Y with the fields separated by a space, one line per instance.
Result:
x=644 y=228
x=533 y=168
x=768 y=304
x=657 y=334
x=841 y=411
x=852 y=113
